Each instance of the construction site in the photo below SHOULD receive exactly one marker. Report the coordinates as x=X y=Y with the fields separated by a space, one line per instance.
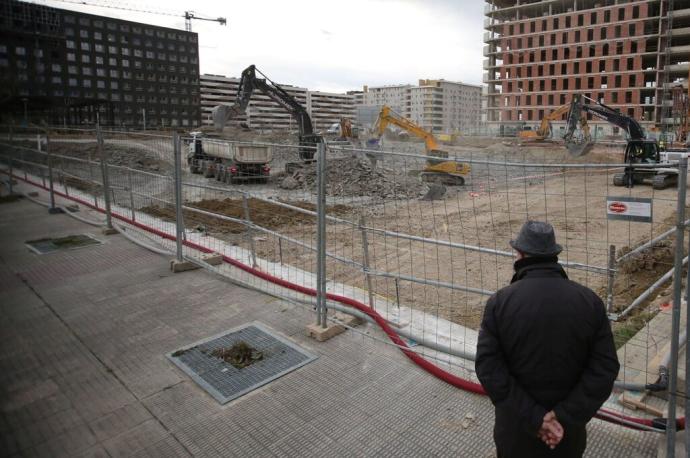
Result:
x=278 y=276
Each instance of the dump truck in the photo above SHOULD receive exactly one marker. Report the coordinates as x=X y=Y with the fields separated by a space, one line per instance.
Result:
x=229 y=163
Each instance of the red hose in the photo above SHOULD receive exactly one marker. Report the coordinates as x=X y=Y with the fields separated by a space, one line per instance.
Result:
x=436 y=371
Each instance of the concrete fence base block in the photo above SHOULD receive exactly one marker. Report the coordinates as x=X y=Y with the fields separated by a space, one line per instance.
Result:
x=182 y=266
x=348 y=320
x=108 y=231
x=320 y=334
x=213 y=259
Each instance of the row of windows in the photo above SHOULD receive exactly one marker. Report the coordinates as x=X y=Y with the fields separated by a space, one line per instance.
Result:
x=566 y=37
x=539 y=99
x=579 y=83
x=578 y=52
x=97 y=23
x=565 y=69
x=532 y=115
x=171 y=46
x=568 y=21
x=86 y=46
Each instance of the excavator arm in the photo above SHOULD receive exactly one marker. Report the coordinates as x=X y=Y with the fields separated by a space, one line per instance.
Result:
x=387 y=116
x=579 y=146
x=250 y=82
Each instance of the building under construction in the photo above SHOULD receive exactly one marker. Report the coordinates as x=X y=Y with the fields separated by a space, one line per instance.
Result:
x=630 y=55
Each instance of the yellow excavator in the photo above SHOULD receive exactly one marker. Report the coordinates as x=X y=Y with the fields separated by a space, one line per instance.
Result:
x=544 y=130
x=437 y=170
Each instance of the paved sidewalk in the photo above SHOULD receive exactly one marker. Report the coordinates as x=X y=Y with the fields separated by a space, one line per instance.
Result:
x=83 y=338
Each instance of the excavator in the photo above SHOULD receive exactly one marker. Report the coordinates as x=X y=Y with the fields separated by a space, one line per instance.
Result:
x=638 y=150
x=436 y=170
x=545 y=131
x=249 y=82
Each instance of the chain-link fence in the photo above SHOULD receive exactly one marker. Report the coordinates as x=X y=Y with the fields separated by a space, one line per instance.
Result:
x=412 y=243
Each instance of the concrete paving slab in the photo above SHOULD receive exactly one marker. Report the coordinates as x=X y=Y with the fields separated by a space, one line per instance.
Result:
x=83 y=369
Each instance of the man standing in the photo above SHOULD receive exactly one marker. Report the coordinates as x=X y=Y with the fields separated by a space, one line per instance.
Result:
x=545 y=354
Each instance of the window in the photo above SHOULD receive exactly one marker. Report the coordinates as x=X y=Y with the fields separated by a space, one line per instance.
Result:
x=56 y=80
x=111 y=26
x=621 y=14
x=69 y=31
x=576 y=67
x=20 y=51
x=607 y=16
x=71 y=56
x=85 y=46
x=125 y=63
x=603 y=33
x=84 y=21
x=614 y=97
x=98 y=24
x=588 y=67
x=616 y=65
x=99 y=60
x=100 y=84
x=628 y=97
x=97 y=36
x=555 y=23
x=111 y=38
x=87 y=71
x=112 y=49
x=138 y=53
x=630 y=63
x=602 y=65
x=567 y=22
x=636 y=12
x=84 y=33
x=565 y=84
x=631 y=30
x=86 y=83
x=56 y=68
x=581 y=20
x=72 y=82
x=617 y=32
x=618 y=81
x=593 y=18
x=69 y=19
x=113 y=85
x=100 y=71
x=112 y=61
x=590 y=34
x=564 y=69
x=99 y=48
x=125 y=51
x=149 y=54
x=633 y=47
x=631 y=80
x=590 y=83
x=114 y=74
x=72 y=69
x=85 y=58
x=578 y=83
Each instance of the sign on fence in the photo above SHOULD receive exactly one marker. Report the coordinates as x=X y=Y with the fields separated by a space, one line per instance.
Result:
x=629 y=208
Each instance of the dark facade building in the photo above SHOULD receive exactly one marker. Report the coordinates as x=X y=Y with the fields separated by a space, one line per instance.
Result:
x=621 y=53
x=70 y=68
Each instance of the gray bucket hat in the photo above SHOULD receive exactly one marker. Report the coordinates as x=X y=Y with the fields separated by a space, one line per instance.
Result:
x=537 y=238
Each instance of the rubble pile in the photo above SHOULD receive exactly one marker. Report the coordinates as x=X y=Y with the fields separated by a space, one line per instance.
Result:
x=355 y=177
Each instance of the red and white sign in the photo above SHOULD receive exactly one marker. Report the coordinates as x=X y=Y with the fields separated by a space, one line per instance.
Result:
x=629 y=208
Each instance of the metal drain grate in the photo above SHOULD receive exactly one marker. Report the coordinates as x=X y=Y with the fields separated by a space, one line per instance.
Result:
x=225 y=382
x=69 y=242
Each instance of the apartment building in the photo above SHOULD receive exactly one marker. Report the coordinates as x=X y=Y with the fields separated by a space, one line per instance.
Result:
x=70 y=68
x=326 y=108
x=445 y=106
x=621 y=53
x=264 y=114
x=435 y=104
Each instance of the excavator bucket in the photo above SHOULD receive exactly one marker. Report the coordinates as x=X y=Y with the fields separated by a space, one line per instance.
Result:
x=579 y=149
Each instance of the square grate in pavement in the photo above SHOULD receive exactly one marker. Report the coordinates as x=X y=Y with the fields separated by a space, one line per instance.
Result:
x=69 y=242
x=224 y=381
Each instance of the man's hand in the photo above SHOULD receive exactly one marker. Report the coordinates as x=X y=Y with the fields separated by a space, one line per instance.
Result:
x=551 y=431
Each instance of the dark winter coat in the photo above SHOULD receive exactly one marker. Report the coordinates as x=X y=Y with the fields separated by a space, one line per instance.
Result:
x=545 y=344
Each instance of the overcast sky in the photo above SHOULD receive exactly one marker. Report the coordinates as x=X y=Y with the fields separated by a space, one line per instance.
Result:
x=328 y=45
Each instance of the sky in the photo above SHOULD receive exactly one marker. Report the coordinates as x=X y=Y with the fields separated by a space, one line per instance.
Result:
x=324 y=45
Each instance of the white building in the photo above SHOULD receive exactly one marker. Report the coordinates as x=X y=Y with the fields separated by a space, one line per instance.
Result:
x=437 y=105
x=262 y=113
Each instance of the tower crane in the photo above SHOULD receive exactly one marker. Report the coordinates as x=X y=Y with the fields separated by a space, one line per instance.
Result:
x=188 y=15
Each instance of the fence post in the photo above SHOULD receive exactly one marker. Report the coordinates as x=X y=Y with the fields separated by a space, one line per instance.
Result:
x=321 y=236
x=52 y=208
x=675 y=322
x=365 y=248
x=611 y=278
x=179 y=221
x=11 y=175
x=280 y=250
x=106 y=180
x=131 y=192
x=250 y=232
